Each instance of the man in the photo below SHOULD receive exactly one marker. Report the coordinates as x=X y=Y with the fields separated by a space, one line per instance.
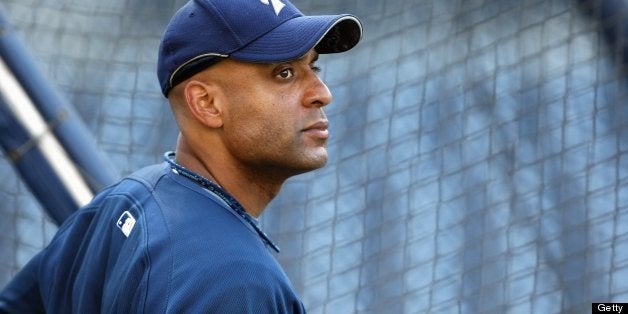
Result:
x=182 y=236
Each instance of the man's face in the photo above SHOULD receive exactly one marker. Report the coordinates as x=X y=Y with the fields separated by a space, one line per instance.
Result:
x=274 y=121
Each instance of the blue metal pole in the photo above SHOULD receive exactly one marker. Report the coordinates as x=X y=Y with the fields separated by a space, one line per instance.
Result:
x=64 y=124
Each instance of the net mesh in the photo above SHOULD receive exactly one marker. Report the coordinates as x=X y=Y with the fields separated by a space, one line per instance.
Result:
x=478 y=161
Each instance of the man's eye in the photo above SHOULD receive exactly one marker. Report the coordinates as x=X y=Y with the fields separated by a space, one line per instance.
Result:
x=286 y=73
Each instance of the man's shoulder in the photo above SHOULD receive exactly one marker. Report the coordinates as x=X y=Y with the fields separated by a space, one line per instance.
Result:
x=139 y=182
x=145 y=179
x=149 y=175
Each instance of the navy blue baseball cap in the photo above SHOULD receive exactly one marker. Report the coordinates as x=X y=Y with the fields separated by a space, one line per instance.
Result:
x=203 y=32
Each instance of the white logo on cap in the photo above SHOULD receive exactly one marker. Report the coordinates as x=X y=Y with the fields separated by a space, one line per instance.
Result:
x=277 y=5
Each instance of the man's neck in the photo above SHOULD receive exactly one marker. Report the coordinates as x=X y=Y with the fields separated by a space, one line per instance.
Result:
x=252 y=190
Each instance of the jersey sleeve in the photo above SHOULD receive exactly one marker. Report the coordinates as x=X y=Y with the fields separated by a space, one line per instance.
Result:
x=21 y=295
x=90 y=264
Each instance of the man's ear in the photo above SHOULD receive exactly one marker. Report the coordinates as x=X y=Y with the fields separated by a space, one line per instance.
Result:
x=203 y=101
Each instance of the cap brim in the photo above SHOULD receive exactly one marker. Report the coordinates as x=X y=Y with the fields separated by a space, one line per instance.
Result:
x=294 y=38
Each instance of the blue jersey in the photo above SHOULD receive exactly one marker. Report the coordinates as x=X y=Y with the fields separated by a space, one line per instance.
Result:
x=156 y=242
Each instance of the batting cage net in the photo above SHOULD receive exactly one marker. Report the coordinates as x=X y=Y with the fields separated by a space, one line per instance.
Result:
x=478 y=161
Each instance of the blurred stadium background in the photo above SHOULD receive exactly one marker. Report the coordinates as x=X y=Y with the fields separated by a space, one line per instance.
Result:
x=479 y=161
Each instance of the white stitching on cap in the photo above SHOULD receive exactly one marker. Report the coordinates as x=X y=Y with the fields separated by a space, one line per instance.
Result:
x=192 y=60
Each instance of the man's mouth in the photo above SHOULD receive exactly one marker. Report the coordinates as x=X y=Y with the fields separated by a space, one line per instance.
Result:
x=318 y=129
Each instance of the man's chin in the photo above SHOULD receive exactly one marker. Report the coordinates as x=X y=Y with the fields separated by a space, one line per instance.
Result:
x=313 y=163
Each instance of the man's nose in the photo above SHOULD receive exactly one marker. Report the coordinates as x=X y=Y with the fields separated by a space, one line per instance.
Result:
x=318 y=93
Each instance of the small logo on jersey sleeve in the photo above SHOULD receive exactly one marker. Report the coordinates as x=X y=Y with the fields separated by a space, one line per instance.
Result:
x=126 y=222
